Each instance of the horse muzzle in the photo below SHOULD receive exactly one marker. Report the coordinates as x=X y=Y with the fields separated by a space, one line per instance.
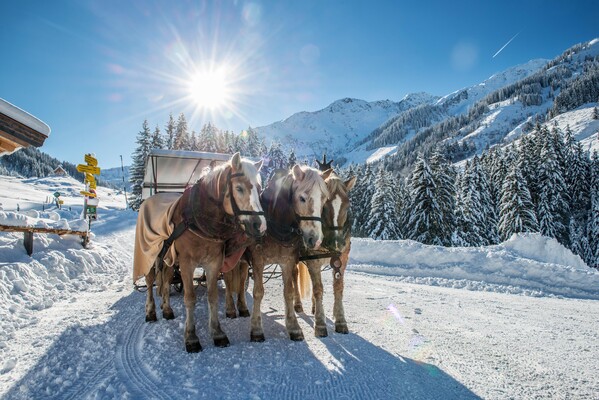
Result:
x=254 y=226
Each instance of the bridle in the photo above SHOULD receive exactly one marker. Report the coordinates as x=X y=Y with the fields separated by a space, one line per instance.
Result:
x=236 y=210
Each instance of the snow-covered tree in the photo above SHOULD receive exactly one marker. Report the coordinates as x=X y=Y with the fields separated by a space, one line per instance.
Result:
x=382 y=220
x=552 y=206
x=292 y=159
x=207 y=140
x=138 y=165
x=181 y=140
x=360 y=200
x=169 y=132
x=593 y=225
x=444 y=176
x=157 y=141
x=425 y=224
x=517 y=211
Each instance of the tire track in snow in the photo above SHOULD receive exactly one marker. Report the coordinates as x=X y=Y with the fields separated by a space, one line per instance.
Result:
x=90 y=379
x=129 y=366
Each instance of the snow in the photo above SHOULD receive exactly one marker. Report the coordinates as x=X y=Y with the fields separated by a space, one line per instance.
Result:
x=72 y=327
x=23 y=117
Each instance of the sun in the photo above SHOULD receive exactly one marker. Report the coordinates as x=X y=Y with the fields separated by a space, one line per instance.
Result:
x=209 y=89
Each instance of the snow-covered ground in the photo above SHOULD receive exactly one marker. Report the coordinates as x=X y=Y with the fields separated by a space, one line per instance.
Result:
x=72 y=327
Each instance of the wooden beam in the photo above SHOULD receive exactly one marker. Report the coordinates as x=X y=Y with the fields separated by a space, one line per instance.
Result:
x=8 y=145
x=28 y=242
x=8 y=228
x=20 y=133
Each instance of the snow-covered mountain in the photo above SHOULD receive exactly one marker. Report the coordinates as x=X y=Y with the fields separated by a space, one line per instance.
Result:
x=337 y=128
x=495 y=111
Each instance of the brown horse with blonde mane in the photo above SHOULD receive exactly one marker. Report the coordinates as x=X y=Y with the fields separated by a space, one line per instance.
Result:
x=293 y=203
x=221 y=209
x=336 y=246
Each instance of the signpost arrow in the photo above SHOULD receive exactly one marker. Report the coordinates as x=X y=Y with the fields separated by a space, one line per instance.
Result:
x=88 y=168
x=90 y=160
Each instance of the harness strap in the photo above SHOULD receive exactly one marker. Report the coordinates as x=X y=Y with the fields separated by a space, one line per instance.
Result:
x=178 y=231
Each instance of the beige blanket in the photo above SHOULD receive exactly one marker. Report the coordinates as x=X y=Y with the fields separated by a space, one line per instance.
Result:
x=154 y=226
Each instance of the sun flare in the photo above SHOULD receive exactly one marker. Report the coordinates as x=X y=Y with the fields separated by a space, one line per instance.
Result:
x=209 y=89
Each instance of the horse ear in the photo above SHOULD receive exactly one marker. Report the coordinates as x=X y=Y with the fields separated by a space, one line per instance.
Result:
x=327 y=173
x=236 y=162
x=349 y=184
x=298 y=174
x=258 y=165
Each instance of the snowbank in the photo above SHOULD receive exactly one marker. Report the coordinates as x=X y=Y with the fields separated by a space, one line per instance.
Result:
x=35 y=219
x=526 y=263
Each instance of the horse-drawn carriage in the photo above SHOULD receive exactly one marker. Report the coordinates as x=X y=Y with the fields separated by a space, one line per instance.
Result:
x=225 y=215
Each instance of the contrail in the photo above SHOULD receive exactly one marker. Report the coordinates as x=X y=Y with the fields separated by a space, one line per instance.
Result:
x=505 y=45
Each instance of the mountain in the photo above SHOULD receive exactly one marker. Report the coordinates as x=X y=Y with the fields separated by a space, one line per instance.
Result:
x=465 y=122
x=338 y=126
x=114 y=176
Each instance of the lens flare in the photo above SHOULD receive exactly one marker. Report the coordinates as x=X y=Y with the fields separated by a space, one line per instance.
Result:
x=209 y=89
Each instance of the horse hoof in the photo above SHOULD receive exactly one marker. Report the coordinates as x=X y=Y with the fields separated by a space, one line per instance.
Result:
x=193 y=347
x=257 y=337
x=298 y=308
x=151 y=317
x=169 y=314
x=244 y=313
x=321 y=331
x=296 y=337
x=341 y=328
x=231 y=314
x=222 y=342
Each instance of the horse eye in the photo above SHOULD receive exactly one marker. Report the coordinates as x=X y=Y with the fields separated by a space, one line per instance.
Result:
x=239 y=189
x=302 y=199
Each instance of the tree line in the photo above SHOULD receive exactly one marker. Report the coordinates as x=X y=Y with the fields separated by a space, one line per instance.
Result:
x=545 y=183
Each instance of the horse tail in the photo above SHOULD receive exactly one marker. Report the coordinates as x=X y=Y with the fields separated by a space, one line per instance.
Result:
x=303 y=280
x=234 y=278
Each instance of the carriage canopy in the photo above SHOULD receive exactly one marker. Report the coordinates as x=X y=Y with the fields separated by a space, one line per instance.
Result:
x=174 y=170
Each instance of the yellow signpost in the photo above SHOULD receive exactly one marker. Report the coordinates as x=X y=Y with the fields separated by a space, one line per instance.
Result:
x=90 y=200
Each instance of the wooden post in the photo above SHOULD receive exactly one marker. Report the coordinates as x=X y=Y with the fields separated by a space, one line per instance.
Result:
x=28 y=242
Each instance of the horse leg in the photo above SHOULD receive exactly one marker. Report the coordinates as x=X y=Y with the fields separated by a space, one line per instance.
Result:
x=230 y=283
x=320 y=326
x=150 y=305
x=219 y=337
x=257 y=332
x=297 y=298
x=293 y=328
x=241 y=302
x=192 y=342
x=164 y=288
x=338 y=312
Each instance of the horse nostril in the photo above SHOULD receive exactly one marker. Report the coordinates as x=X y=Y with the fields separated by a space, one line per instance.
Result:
x=311 y=241
x=256 y=226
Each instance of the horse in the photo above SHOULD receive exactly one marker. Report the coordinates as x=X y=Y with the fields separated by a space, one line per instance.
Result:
x=292 y=202
x=221 y=208
x=337 y=244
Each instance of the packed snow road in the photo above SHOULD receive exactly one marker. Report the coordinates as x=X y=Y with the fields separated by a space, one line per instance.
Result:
x=71 y=327
x=406 y=341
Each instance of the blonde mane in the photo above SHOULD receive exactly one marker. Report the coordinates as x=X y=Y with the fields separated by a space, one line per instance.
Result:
x=312 y=178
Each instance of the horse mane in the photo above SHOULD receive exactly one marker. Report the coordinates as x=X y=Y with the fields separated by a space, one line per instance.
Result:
x=215 y=180
x=312 y=178
x=335 y=184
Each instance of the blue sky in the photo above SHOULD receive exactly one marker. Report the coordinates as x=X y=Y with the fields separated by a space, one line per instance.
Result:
x=94 y=70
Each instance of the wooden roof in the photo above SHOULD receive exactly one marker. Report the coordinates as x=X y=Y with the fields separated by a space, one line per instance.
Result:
x=19 y=129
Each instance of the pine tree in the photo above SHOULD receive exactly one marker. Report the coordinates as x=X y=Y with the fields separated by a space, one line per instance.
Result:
x=360 y=200
x=138 y=165
x=207 y=140
x=382 y=221
x=425 y=223
x=517 y=211
x=181 y=141
x=170 y=133
x=552 y=206
x=255 y=146
x=444 y=176
x=593 y=225
x=157 y=142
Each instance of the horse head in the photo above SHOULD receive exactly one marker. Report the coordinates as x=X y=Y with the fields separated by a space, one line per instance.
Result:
x=309 y=193
x=242 y=195
x=335 y=213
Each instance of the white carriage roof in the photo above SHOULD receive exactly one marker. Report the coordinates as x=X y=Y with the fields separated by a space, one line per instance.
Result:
x=22 y=116
x=174 y=170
